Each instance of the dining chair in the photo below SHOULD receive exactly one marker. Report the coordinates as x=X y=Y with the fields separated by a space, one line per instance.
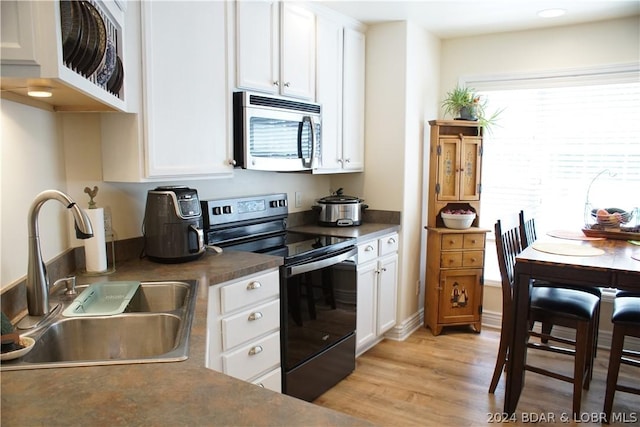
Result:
x=626 y=323
x=528 y=235
x=564 y=307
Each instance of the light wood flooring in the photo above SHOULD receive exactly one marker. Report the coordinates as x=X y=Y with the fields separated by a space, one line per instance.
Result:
x=444 y=381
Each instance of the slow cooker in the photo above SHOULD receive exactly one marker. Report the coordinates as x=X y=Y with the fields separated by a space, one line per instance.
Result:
x=338 y=210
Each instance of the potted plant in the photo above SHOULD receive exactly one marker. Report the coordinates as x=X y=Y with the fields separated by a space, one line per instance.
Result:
x=464 y=103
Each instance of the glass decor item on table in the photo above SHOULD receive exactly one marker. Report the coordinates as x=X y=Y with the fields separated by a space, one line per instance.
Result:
x=604 y=217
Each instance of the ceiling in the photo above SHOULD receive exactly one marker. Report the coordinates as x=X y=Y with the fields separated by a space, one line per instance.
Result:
x=460 y=18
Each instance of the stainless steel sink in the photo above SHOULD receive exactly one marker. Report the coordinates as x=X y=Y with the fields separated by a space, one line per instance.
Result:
x=155 y=327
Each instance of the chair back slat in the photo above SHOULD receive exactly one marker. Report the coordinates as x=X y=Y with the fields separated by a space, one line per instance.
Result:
x=508 y=246
x=527 y=230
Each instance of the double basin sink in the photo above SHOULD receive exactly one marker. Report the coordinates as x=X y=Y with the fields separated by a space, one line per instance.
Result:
x=154 y=327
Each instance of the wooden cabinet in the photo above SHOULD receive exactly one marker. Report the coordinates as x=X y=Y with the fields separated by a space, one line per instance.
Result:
x=184 y=122
x=455 y=258
x=340 y=90
x=455 y=168
x=243 y=329
x=455 y=266
x=377 y=290
x=275 y=48
x=32 y=55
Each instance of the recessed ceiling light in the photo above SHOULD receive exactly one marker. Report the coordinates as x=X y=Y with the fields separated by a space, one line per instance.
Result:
x=551 y=13
x=39 y=91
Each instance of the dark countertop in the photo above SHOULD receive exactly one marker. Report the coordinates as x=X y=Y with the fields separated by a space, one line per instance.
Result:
x=157 y=394
x=362 y=233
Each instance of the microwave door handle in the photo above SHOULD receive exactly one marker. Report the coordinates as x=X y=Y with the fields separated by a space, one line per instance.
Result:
x=307 y=162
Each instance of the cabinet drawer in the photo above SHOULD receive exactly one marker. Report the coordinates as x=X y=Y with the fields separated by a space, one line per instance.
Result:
x=254 y=358
x=249 y=291
x=367 y=251
x=452 y=241
x=249 y=324
x=474 y=241
x=472 y=258
x=388 y=244
x=271 y=380
x=451 y=259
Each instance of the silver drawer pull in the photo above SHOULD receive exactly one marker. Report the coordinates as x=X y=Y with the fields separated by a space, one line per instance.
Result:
x=255 y=350
x=255 y=316
x=253 y=285
x=260 y=385
x=391 y=241
x=369 y=248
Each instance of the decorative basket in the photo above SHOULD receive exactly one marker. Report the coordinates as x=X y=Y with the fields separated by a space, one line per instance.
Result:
x=613 y=218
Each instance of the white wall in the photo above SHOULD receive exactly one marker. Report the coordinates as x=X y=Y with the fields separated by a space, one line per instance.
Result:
x=586 y=45
x=401 y=88
x=32 y=161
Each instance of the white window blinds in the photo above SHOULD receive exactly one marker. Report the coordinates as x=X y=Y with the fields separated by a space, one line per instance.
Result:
x=555 y=135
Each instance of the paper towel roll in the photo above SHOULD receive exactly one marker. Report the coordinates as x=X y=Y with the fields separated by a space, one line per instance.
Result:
x=95 y=248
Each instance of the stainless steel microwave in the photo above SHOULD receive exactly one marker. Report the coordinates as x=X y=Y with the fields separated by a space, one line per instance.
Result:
x=272 y=133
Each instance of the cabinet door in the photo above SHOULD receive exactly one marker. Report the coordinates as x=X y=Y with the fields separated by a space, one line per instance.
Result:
x=470 y=168
x=459 y=168
x=298 y=52
x=257 y=45
x=387 y=291
x=366 y=313
x=186 y=96
x=460 y=298
x=353 y=101
x=17 y=42
x=329 y=93
x=448 y=169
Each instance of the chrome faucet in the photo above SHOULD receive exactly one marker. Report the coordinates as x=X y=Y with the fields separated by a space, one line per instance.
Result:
x=37 y=278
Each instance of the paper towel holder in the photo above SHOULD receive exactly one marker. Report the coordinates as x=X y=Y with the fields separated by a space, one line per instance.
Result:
x=110 y=242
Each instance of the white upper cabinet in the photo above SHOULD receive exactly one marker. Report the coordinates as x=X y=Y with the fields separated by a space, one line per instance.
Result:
x=43 y=44
x=275 y=48
x=353 y=101
x=182 y=129
x=340 y=90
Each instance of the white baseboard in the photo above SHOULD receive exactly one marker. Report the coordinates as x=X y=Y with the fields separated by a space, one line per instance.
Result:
x=493 y=320
x=401 y=331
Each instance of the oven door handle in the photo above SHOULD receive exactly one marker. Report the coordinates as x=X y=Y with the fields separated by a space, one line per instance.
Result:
x=322 y=263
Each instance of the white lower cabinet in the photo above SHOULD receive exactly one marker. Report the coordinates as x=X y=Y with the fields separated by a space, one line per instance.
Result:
x=377 y=290
x=243 y=329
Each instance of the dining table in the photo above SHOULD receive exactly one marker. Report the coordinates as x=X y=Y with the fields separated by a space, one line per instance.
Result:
x=604 y=263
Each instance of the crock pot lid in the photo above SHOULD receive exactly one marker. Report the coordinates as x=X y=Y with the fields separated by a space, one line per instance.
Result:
x=340 y=199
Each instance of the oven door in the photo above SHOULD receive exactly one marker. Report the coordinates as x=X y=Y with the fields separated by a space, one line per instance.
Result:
x=318 y=305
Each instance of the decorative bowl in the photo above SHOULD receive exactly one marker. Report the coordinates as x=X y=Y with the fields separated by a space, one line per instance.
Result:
x=27 y=342
x=458 y=221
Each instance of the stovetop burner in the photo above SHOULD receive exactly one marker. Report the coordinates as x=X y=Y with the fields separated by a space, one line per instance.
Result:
x=259 y=224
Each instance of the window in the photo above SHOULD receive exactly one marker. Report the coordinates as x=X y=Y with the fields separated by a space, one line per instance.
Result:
x=561 y=142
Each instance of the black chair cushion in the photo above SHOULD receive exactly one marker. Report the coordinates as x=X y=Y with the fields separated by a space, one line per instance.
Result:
x=626 y=309
x=595 y=291
x=566 y=301
x=623 y=293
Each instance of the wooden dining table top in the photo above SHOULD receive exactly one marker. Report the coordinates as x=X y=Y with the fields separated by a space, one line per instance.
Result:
x=618 y=255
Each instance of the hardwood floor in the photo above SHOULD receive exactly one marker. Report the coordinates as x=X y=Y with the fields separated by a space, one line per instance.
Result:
x=444 y=381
